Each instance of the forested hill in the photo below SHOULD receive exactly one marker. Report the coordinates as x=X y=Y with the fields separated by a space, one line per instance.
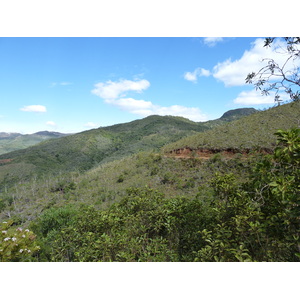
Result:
x=84 y=150
x=235 y=114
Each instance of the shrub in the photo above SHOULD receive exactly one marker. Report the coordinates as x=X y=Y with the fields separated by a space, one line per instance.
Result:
x=49 y=226
x=16 y=244
x=259 y=220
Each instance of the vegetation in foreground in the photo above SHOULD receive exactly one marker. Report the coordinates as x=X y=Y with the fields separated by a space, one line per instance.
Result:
x=253 y=220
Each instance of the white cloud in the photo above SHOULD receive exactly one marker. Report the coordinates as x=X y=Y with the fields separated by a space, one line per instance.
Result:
x=212 y=41
x=233 y=73
x=192 y=113
x=146 y=108
x=34 y=108
x=113 y=90
x=51 y=123
x=254 y=97
x=114 y=93
x=192 y=76
x=131 y=105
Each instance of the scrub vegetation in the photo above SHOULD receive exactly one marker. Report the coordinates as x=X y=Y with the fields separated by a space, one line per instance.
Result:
x=152 y=205
x=162 y=189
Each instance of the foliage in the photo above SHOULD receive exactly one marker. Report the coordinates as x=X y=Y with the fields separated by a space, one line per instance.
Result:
x=16 y=244
x=144 y=226
x=258 y=221
x=85 y=150
x=48 y=227
x=279 y=77
x=238 y=208
x=252 y=220
x=64 y=186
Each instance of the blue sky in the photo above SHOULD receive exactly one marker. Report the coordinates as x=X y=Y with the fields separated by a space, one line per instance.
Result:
x=75 y=84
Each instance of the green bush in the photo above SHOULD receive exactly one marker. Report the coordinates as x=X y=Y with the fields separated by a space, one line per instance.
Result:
x=49 y=226
x=259 y=220
x=16 y=244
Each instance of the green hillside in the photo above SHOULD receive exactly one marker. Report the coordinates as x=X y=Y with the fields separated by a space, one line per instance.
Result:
x=151 y=207
x=102 y=163
x=107 y=183
x=84 y=150
x=255 y=131
x=17 y=141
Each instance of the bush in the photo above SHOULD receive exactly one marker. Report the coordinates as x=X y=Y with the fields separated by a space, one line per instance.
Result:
x=16 y=244
x=50 y=225
x=144 y=226
x=259 y=220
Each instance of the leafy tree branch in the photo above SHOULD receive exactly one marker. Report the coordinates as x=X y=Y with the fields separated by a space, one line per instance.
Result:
x=279 y=77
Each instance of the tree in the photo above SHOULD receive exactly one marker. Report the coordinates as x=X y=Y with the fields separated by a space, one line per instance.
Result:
x=280 y=77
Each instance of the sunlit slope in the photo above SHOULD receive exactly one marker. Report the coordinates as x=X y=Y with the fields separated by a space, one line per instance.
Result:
x=17 y=141
x=86 y=149
x=250 y=132
x=82 y=151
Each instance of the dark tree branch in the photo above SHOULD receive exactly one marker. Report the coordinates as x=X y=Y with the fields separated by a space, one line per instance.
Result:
x=290 y=81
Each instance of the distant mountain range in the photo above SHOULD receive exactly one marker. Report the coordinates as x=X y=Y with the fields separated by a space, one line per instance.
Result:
x=11 y=141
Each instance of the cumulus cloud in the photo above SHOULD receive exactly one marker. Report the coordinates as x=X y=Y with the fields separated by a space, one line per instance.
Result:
x=192 y=76
x=113 y=90
x=34 y=108
x=192 y=113
x=254 y=97
x=146 y=108
x=134 y=106
x=233 y=73
x=212 y=41
x=114 y=93
x=51 y=123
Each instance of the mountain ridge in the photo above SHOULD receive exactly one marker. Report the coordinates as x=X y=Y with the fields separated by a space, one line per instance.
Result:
x=253 y=131
x=11 y=141
x=86 y=149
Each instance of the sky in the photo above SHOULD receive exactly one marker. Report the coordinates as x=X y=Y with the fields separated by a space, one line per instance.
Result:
x=72 y=84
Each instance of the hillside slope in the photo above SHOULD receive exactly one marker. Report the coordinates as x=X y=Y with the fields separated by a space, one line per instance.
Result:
x=255 y=131
x=84 y=150
x=15 y=141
